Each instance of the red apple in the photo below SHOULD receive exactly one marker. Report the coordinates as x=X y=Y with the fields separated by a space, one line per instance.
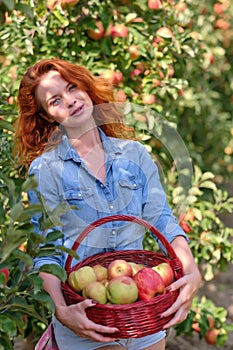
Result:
x=138 y=20
x=135 y=72
x=119 y=267
x=196 y=327
x=166 y=272
x=211 y=336
x=5 y=272
x=180 y=6
x=122 y=290
x=101 y=272
x=165 y=33
x=118 y=77
x=211 y=321
x=148 y=99
x=154 y=4
x=133 y=52
x=121 y=96
x=98 y=33
x=109 y=75
x=149 y=283
x=119 y=30
x=51 y=4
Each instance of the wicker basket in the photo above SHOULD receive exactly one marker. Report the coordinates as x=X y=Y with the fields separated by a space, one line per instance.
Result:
x=140 y=318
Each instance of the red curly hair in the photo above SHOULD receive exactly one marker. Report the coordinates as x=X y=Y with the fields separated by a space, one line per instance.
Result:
x=32 y=130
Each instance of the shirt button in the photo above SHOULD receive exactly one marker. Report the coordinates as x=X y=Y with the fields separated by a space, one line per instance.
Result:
x=79 y=195
x=113 y=232
x=102 y=186
x=134 y=185
x=111 y=207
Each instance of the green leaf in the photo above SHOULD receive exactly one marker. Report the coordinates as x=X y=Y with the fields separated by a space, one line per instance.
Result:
x=53 y=236
x=16 y=211
x=23 y=257
x=30 y=183
x=208 y=184
x=6 y=125
x=55 y=270
x=207 y=175
x=6 y=324
x=25 y=9
x=69 y=251
x=28 y=212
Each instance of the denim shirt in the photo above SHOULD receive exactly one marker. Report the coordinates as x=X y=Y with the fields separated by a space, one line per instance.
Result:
x=132 y=187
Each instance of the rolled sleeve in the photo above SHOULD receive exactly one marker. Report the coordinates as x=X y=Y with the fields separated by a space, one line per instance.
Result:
x=47 y=188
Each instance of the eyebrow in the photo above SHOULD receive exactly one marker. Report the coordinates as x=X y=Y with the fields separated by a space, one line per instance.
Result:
x=54 y=96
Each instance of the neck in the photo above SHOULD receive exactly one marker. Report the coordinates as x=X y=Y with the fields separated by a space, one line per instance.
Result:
x=89 y=139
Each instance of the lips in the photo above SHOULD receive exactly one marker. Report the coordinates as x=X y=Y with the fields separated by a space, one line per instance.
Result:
x=77 y=111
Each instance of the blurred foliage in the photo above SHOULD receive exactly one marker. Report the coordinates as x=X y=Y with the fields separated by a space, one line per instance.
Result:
x=176 y=61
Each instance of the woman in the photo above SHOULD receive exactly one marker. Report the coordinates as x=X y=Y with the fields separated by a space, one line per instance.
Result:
x=74 y=141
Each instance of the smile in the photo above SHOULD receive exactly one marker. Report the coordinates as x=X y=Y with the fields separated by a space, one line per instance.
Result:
x=77 y=111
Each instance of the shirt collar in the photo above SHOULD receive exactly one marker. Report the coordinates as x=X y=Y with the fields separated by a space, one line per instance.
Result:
x=67 y=151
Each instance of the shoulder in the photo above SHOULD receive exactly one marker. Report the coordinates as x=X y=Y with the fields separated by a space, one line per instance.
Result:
x=42 y=161
x=127 y=145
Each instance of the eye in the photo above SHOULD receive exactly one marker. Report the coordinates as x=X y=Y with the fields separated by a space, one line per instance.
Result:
x=55 y=101
x=72 y=87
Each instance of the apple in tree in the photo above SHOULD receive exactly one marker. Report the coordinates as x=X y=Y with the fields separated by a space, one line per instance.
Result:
x=101 y=272
x=133 y=52
x=119 y=30
x=121 y=96
x=96 y=291
x=98 y=33
x=196 y=327
x=122 y=290
x=154 y=4
x=211 y=336
x=119 y=267
x=109 y=75
x=80 y=278
x=118 y=77
x=136 y=267
x=68 y=3
x=5 y=271
x=148 y=99
x=166 y=272
x=149 y=283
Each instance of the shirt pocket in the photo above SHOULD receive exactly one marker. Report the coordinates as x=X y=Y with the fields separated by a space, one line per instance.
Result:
x=82 y=199
x=130 y=195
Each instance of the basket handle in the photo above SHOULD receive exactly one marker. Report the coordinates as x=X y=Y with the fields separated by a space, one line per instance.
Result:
x=119 y=217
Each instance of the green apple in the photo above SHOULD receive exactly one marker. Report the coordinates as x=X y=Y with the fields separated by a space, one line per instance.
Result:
x=122 y=290
x=101 y=272
x=136 y=267
x=96 y=291
x=166 y=272
x=80 y=278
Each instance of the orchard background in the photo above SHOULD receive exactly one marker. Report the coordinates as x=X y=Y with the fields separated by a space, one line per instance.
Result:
x=172 y=57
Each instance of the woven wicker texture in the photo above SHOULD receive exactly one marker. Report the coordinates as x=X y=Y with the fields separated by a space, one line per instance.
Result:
x=140 y=318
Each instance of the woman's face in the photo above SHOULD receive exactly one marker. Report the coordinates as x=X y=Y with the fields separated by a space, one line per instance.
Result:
x=64 y=102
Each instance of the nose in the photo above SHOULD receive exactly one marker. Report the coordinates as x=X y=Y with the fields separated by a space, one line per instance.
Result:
x=70 y=101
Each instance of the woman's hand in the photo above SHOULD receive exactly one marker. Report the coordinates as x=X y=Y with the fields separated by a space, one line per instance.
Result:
x=74 y=317
x=188 y=284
